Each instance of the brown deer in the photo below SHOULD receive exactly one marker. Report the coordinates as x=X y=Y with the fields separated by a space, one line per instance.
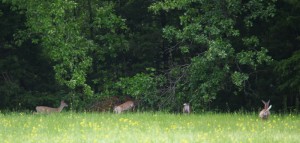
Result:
x=265 y=113
x=45 y=109
x=125 y=106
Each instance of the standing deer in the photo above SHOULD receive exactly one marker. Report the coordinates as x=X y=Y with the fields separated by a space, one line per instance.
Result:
x=186 y=108
x=125 y=106
x=45 y=109
x=265 y=113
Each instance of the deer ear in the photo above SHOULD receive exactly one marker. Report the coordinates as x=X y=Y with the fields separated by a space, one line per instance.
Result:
x=263 y=101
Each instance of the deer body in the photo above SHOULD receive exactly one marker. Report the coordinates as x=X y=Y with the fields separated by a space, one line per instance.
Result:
x=125 y=106
x=45 y=109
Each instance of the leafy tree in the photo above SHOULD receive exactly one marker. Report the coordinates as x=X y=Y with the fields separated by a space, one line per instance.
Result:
x=161 y=53
x=24 y=69
x=283 y=43
x=218 y=33
x=58 y=29
x=76 y=37
x=52 y=25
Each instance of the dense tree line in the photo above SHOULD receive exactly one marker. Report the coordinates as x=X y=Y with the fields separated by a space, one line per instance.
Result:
x=217 y=55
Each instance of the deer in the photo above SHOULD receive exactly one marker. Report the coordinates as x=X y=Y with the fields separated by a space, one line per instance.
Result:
x=45 y=109
x=125 y=106
x=186 y=108
x=265 y=113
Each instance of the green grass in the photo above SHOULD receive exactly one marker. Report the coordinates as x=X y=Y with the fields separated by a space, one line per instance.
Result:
x=71 y=127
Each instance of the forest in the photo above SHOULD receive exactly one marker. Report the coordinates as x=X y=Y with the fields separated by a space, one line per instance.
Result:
x=217 y=55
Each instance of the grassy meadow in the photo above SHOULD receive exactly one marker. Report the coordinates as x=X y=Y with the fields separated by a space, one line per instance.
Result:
x=69 y=127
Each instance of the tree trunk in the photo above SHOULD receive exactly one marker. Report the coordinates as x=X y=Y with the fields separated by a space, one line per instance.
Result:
x=284 y=103
x=90 y=9
x=297 y=102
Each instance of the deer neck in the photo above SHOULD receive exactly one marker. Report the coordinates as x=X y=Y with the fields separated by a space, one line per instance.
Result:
x=59 y=109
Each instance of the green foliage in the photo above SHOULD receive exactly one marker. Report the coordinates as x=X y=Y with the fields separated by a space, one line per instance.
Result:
x=109 y=29
x=284 y=44
x=8 y=92
x=105 y=18
x=254 y=58
x=201 y=52
x=205 y=79
x=289 y=72
x=143 y=87
x=137 y=85
x=239 y=78
x=258 y=9
x=214 y=28
x=60 y=35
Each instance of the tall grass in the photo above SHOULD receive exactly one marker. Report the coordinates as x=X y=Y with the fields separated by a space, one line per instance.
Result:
x=147 y=127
